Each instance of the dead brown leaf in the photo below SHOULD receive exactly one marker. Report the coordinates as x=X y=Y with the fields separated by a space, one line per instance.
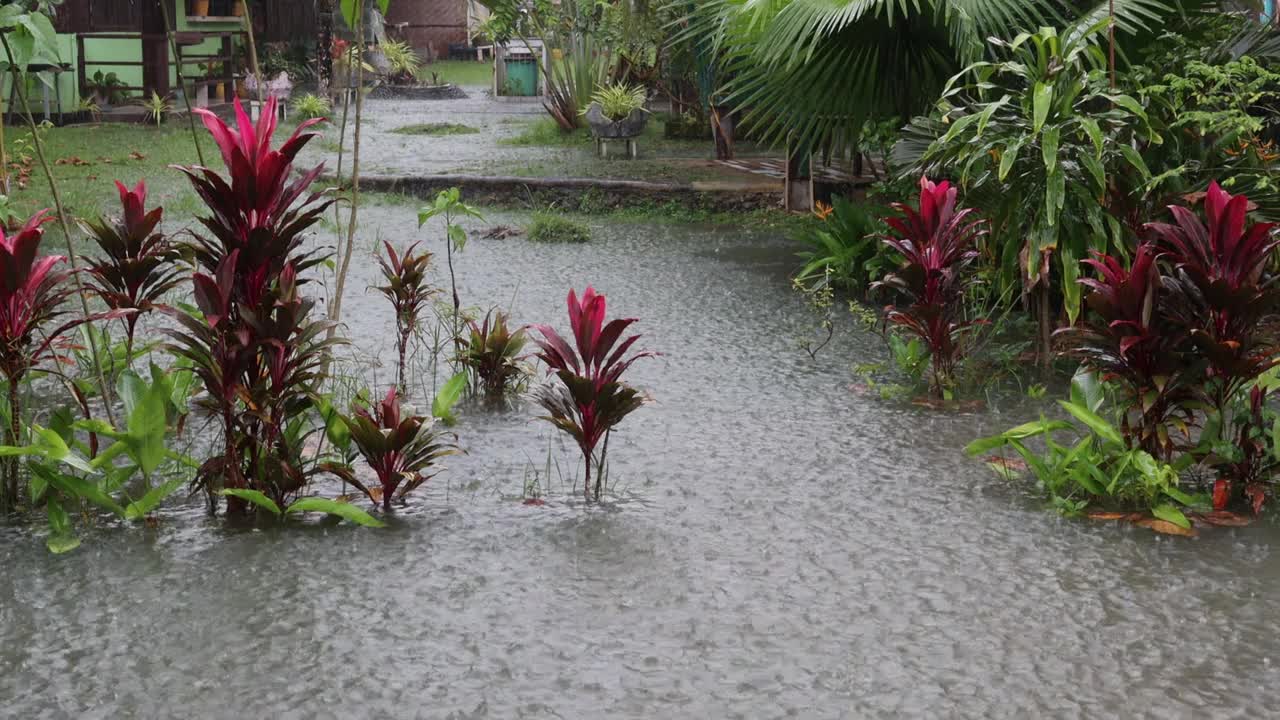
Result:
x=1223 y=518
x=1165 y=527
x=1113 y=515
x=137 y=155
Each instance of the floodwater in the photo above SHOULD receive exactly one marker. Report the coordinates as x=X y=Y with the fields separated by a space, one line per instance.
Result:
x=776 y=546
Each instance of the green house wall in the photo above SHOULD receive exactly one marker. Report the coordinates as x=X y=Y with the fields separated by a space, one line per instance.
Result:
x=105 y=50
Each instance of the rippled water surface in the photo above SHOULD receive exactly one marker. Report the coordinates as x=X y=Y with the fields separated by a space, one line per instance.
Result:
x=778 y=547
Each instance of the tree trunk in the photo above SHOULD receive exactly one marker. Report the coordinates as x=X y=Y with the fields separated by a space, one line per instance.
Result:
x=324 y=45
x=722 y=125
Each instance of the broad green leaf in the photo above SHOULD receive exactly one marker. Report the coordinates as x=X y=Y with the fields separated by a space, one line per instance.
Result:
x=1086 y=389
x=59 y=544
x=1049 y=147
x=139 y=508
x=147 y=427
x=131 y=388
x=253 y=496
x=1008 y=157
x=1096 y=173
x=1180 y=496
x=985 y=117
x=1136 y=161
x=1171 y=514
x=1020 y=432
x=1129 y=104
x=346 y=511
x=1071 y=289
x=457 y=236
x=55 y=449
x=1095 y=422
x=77 y=487
x=447 y=396
x=1055 y=189
x=1094 y=131
x=1041 y=100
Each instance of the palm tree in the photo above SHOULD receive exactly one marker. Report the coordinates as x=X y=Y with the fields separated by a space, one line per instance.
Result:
x=814 y=71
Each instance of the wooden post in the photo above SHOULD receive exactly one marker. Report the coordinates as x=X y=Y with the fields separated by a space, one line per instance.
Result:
x=798 y=183
x=155 y=49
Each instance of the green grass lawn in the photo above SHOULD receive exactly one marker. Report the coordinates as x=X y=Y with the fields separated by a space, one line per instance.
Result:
x=459 y=72
x=86 y=159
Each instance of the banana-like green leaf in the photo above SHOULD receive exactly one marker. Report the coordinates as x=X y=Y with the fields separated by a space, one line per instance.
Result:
x=346 y=511
x=1171 y=514
x=1095 y=422
x=253 y=496
x=139 y=508
x=447 y=396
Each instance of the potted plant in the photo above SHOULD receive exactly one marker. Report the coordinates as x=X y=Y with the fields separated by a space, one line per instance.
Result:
x=199 y=8
x=106 y=90
x=237 y=9
x=617 y=111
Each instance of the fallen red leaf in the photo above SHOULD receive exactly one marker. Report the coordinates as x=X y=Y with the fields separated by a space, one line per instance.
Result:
x=1221 y=494
x=535 y=501
x=1258 y=494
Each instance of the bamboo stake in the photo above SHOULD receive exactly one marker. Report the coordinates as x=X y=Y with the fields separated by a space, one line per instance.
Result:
x=62 y=220
x=335 y=314
x=170 y=30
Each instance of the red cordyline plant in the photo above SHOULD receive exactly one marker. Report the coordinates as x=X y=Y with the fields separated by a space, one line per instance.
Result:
x=591 y=399
x=1221 y=290
x=32 y=290
x=255 y=346
x=137 y=266
x=1133 y=343
x=936 y=243
x=408 y=291
x=401 y=449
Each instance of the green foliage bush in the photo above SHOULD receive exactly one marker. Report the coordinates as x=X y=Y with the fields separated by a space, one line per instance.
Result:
x=546 y=227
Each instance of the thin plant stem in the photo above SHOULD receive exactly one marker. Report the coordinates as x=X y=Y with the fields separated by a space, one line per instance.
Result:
x=173 y=48
x=335 y=314
x=253 y=55
x=62 y=220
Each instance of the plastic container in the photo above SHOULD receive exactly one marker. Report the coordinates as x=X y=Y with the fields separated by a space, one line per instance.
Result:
x=522 y=77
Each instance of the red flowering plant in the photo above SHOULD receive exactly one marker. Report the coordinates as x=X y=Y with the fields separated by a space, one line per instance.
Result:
x=591 y=399
x=32 y=291
x=254 y=344
x=137 y=265
x=936 y=247
x=401 y=448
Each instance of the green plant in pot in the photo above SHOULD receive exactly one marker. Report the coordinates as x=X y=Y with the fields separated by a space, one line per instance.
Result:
x=617 y=111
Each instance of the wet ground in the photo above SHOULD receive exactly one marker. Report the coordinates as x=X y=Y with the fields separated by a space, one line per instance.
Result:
x=489 y=150
x=776 y=546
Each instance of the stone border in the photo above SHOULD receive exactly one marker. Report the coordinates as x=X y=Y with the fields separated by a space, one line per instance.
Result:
x=418 y=92
x=574 y=194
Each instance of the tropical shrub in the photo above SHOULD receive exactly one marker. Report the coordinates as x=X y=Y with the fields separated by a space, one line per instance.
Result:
x=1032 y=139
x=1099 y=467
x=138 y=264
x=936 y=246
x=310 y=106
x=844 y=250
x=1137 y=346
x=591 y=399
x=409 y=292
x=32 y=291
x=401 y=448
x=254 y=343
x=1222 y=290
x=402 y=62
x=491 y=353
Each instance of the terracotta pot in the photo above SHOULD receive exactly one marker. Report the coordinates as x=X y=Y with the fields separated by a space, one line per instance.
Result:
x=219 y=92
x=237 y=10
x=200 y=8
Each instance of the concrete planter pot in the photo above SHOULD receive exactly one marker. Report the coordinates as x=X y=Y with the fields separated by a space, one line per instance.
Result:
x=603 y=128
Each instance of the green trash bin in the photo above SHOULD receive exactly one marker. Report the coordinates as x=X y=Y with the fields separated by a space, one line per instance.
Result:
x=522 y=78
